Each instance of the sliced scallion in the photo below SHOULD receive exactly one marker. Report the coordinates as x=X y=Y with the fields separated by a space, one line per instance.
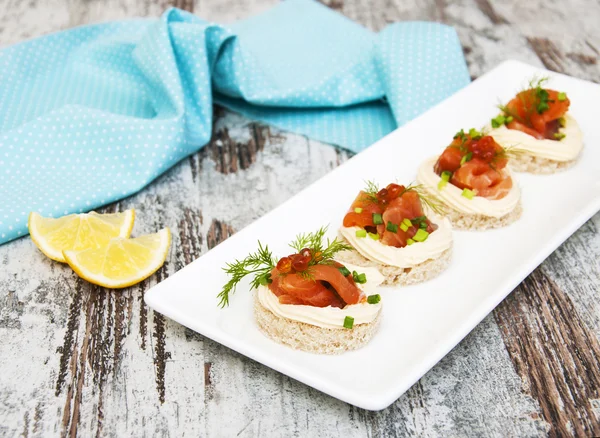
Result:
x=373 y=299
x=421 y=235
x=474 y=134
x=344 y=270
x=562 y=97
x=391 y=227
x=361 y=233
x=446 y=175
x=410 y=242
x=498 y=121
x=348 y=322
x=374 y=236
x=559 y=136
x=377 y=219
x=469 y=194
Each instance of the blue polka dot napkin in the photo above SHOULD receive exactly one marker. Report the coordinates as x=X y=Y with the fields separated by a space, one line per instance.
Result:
x=93 y=114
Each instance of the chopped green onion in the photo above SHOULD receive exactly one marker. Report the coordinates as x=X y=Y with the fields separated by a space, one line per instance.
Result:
x=348 y=322
x=391 y=227
x=460 y=134
x=562 y=97
x=474 y=134
x=403 y=227
x=542 y=106
x=410 y=242
x=373 y=299
x=407 y=222
x=542 y=95
x=446 y=175
x=498 y=121
x=358 y=210
x=374 y=236
x=377 y=219
x=559 y=135
x=265 y=279
x=361 y=233
x=359 y=278
x=423 y=225
x=562 y=122
x=420 y=236
x=469 y=194
x=344 y=270
x=509 y=119
x=466 y=158
x=442 y=184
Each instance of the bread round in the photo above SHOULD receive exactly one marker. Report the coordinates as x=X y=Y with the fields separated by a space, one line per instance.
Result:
x=532 y=164
x=401 y=276
x=463 y=221
x=311 y=338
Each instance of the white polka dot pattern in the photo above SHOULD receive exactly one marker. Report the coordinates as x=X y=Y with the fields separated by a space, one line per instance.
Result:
x=93 y=114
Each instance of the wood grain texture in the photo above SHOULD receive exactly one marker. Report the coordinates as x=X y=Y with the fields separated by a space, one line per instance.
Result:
x=80 y=360
x=556 y=355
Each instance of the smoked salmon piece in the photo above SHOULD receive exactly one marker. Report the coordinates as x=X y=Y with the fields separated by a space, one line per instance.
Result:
x=407 y=206
x=480 y=164
x=393 y=204
x=361 y=211
x=324 y=286
x=536 y=111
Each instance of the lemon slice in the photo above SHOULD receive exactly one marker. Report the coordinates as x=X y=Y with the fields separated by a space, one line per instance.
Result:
x=77 y=231
x=121 y=262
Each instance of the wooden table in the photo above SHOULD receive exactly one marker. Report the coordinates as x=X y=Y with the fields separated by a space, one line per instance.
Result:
x=78 y=359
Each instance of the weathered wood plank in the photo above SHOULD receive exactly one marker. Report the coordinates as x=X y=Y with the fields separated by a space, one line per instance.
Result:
x=100 y=363
x=556 y=355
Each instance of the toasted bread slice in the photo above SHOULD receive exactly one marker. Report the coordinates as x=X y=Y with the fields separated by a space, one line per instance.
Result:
x=463 y=221
x=311 y=338
x=542 y=166
x=401 y=276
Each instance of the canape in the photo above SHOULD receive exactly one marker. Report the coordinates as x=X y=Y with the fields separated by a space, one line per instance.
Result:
x=390 y=229
x=537 y=122
x=472 y=179
x=308 y=300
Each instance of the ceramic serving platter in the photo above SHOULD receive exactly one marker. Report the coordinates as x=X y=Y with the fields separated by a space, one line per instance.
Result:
x=421 y=323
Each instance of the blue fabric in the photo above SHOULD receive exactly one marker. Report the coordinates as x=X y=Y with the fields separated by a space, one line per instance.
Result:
x=93 y=114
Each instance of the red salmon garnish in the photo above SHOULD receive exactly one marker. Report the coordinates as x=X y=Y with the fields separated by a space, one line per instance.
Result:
x=474 y=161
x=394 y=215
x=536 y=111
x=326 y=286
x=308 y=277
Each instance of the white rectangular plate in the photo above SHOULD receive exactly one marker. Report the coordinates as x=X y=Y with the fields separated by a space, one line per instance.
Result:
x=421 y=323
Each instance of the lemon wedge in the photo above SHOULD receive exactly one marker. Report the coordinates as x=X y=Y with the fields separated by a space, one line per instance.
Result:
x=121 y=262
x=77 y=231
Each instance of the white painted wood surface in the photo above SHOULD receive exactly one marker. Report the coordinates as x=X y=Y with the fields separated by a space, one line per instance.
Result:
x=75 y=359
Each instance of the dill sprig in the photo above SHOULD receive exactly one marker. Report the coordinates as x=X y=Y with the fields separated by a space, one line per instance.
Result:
x=371 y=189
x=258 y=264
x=430 y=200
x=539 y=103
x=322 y=251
